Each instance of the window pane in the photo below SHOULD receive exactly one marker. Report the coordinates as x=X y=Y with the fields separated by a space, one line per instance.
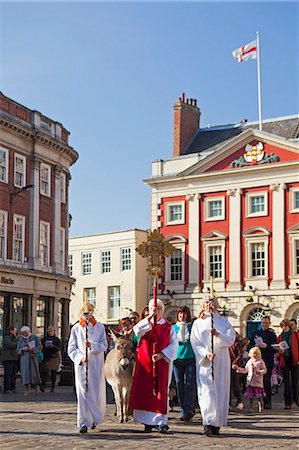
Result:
x=18 y=243
x=2 y=234
x=114 y=302
x=19 y=171
x=106 y=261
x=297 y=257
x=126 y=258
x=215 y=261
x=175 y=213
x=215 y=208
x=86 y=263
x=258 y=259
x=176 y=266
x=44 y=244
x=91 y=295
x=3 y=165
x=70 y=264
x=257 y=203
x=296 y=200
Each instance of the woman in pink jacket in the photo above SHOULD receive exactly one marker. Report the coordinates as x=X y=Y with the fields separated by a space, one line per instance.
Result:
x=255 y=369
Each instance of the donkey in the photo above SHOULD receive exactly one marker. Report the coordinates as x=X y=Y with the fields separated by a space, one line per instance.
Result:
x=119 y=373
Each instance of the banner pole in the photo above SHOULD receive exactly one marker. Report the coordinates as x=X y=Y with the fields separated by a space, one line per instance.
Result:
x=259 y=79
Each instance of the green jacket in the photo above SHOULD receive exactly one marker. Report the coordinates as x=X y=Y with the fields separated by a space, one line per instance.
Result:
x=9 y=353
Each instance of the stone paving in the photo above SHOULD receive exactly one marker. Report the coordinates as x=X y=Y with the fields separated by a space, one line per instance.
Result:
x=48 y=420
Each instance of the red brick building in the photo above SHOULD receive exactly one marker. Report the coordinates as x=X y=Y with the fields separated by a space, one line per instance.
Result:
x=228 y=199
x=35 y=158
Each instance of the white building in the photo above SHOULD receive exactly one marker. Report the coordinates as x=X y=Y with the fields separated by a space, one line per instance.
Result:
x=111 y=271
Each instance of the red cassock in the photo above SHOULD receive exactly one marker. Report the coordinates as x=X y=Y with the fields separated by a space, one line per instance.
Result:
x=142 y=397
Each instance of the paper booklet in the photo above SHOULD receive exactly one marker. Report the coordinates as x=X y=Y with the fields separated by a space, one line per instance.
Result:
x=31 y=344
x=283 y=345
x=258 y=340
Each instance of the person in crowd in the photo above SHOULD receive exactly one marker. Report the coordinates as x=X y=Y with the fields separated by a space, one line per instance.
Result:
x=268 y=337
x=255 y=369
x=184 y=365
x=134 y=317
x=245 y=358
x=294 y=326
x=236 y=354
x=10 y=359
x=89 y=371
x=289 y=363
x=144 y=312
x=150 y=409
x=51 y=351
x=213 y=367
x=28 y=348
x=275 y=376
x=126 y=328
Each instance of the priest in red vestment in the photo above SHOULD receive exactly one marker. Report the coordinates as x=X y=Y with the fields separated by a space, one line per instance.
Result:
x=149 y=409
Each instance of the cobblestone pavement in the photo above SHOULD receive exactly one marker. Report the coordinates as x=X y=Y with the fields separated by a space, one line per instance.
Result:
x=48 y=420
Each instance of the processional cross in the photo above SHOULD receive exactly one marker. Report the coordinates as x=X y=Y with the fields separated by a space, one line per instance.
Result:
x=155 y=249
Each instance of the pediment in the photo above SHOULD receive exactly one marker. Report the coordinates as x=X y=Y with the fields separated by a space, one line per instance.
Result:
x=256 y=231
x=213 y=235
x=250 y=149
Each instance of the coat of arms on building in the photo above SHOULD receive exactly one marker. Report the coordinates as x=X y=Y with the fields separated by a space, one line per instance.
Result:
x=254 y=154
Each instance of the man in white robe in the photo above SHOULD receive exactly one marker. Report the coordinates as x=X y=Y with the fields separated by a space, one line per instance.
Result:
x=91 y=402
x=213 y=394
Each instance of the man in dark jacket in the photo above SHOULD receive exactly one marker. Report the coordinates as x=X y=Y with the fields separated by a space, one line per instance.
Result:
x=10 y=359
x=269 y=337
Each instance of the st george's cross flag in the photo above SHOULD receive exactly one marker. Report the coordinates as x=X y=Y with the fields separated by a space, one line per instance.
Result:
x=246 y=52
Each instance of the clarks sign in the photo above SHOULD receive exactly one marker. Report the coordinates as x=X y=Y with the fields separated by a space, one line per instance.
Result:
x=254 y=154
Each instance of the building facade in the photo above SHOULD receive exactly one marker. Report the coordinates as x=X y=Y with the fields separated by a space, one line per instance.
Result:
x=35 y=158
x=228 y=200
x=110 y=272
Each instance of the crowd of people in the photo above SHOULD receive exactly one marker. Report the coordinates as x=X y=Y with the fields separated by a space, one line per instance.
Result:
x=211 y=366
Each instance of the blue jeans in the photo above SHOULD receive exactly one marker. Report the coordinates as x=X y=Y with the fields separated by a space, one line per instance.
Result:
x=184 y=374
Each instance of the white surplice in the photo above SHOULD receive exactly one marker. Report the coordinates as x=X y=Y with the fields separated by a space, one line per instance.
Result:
x=91 y=406
x=213 y=395
x=169 y=352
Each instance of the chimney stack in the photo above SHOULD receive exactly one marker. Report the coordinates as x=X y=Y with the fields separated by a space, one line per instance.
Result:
x=186 y=123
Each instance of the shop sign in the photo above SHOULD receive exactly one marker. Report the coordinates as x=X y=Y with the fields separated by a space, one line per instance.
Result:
x=7 y=280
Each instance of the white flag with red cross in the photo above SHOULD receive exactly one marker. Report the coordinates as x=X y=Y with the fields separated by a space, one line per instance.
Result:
x=248 y=51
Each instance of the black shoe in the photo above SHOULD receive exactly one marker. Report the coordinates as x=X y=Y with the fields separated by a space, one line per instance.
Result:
x=207 y=430
x=148 y=428
x=83 y=429
x=93 y=426
x=215 y=431
x=42 y=389
x=188 y=416
x=267 y=406
x=163 y=429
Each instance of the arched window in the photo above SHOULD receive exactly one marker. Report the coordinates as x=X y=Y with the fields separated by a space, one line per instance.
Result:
x=254 y=321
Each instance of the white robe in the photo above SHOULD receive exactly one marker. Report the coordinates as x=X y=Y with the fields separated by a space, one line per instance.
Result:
x=91 y=406
x=213 y=396
x=169 y=352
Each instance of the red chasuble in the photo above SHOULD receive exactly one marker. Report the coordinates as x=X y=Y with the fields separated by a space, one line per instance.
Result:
x=142 y=388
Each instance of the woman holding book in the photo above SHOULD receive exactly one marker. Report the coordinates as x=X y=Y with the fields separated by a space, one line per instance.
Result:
x=28 y=348
x=288 y=353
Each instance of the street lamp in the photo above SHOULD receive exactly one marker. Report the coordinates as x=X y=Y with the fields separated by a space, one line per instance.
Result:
x=18 y=191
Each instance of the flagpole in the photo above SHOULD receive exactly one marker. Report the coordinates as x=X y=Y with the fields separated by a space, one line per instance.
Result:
x=259 y=79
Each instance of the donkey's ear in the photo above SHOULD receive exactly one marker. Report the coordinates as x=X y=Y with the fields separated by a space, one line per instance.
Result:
x=114 y=334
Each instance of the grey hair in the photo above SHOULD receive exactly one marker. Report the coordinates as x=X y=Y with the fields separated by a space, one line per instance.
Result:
x=159 y=302
x=24 y=329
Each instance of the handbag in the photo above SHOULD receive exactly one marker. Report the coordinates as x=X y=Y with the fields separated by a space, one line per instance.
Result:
x=40 y=357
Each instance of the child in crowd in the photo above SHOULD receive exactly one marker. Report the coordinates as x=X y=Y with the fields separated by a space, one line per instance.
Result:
x=255 y=369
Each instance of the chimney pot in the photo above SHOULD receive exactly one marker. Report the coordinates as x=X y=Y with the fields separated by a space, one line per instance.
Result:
x=183 y=97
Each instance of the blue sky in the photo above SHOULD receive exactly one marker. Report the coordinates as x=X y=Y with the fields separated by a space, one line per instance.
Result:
x=111 y=72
